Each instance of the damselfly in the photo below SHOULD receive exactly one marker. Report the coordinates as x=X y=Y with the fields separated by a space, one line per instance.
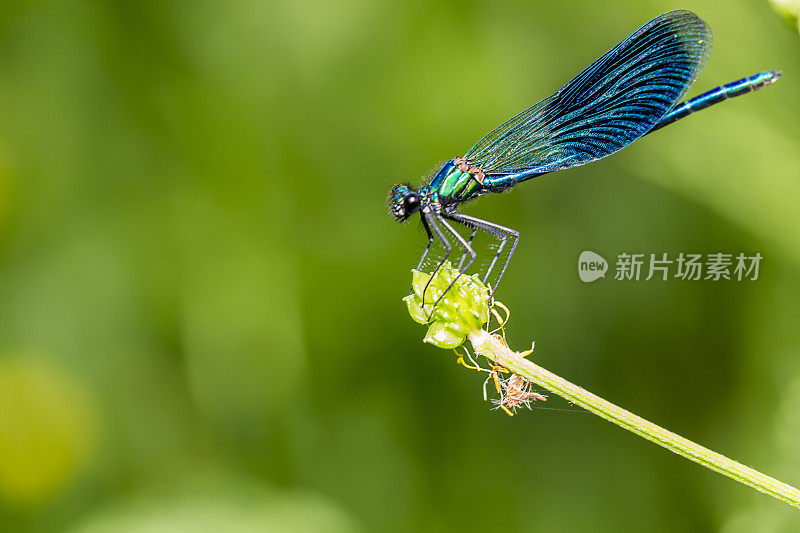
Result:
x=630 y=91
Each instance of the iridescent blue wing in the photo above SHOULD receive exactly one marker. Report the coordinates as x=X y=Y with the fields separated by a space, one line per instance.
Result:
x=613 y=102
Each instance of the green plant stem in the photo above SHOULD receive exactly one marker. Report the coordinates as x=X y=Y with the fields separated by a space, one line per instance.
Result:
x=495 y=349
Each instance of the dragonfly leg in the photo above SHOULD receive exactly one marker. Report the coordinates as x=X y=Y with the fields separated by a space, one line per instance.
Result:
x=424 y=255
x=469 y=242
x=467 y=249
x=502 y=237
x=502 y=232
x=431 y=223
x=427 y=248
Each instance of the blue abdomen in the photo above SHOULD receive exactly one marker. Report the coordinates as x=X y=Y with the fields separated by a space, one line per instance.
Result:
x=723 y=92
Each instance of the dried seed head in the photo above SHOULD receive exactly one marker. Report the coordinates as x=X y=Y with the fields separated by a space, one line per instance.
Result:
x=516 y=392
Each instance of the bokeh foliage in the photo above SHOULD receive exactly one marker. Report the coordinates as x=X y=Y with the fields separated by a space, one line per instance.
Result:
x=200 y=314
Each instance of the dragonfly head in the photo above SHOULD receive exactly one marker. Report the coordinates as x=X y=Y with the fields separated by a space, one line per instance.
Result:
x=403 y=202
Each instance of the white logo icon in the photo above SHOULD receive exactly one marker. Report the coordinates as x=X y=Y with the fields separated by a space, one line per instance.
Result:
x=591 y=266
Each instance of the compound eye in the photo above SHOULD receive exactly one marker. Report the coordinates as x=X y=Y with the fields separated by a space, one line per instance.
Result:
x=411 y=203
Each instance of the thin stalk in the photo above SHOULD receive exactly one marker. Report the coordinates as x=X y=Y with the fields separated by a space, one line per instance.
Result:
x=494 y=348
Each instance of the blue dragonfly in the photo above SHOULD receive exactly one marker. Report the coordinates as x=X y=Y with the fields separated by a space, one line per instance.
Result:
x=630 y=91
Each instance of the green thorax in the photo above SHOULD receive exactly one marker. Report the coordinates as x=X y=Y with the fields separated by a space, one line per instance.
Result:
x=455 y=182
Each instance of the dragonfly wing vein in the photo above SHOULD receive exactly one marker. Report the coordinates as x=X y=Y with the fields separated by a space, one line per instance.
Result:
x=611 y=103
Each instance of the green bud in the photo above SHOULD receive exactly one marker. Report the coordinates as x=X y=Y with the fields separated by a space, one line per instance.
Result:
x=415 y=309
x=463 y=309
x=442 y=335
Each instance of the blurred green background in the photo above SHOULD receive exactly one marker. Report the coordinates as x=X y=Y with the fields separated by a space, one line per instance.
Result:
x=201 y=326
